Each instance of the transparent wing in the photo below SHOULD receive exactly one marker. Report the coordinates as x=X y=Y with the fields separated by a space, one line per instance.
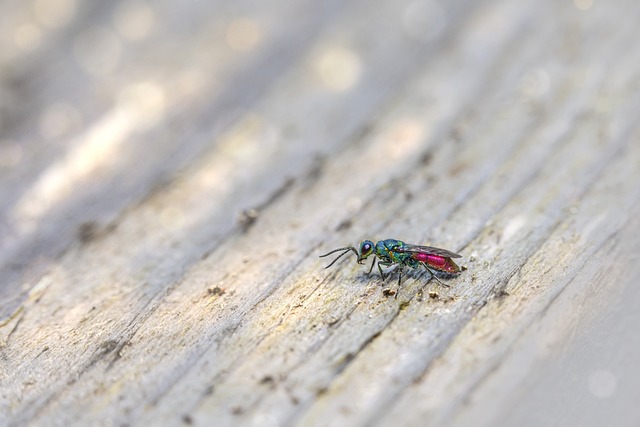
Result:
x=407 y=247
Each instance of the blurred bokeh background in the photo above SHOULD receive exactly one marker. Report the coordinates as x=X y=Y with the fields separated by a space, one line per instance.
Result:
x=138 y=138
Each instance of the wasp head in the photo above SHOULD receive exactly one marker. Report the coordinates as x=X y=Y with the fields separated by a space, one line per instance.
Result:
x=366 y=249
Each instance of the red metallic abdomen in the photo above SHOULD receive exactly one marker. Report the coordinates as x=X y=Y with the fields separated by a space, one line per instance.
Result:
x=437 y=262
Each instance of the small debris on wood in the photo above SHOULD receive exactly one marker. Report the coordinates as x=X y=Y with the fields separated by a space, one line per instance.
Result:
x=247 y=218
x=216 y=291
x=330 y=321
x=268 y=381
x=501 y=293
x=344 y=225
x=322 y=390
x=315 y=172
x=426 y=158
x=92 y=230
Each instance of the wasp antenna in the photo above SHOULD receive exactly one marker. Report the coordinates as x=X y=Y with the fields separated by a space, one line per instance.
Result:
x=345 y=249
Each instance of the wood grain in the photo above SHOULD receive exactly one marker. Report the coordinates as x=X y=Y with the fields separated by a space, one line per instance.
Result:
x=170 y=173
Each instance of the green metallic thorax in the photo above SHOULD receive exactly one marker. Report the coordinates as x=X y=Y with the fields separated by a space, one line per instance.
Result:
x=384 y=252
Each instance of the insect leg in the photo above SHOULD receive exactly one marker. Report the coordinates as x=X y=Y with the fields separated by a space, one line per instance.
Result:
x=399 y=280
x=380 y=264
x=433 y=275
x=371 y=269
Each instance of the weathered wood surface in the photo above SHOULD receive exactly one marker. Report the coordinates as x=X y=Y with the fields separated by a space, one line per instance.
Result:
x=170 y=172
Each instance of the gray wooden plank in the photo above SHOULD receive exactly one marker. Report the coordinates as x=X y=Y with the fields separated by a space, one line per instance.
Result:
x=521 y=152
x=234 y=155
x=564 y=268
x=120 y=154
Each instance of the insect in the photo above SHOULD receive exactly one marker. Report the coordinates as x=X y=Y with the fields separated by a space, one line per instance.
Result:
x=393 y=252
